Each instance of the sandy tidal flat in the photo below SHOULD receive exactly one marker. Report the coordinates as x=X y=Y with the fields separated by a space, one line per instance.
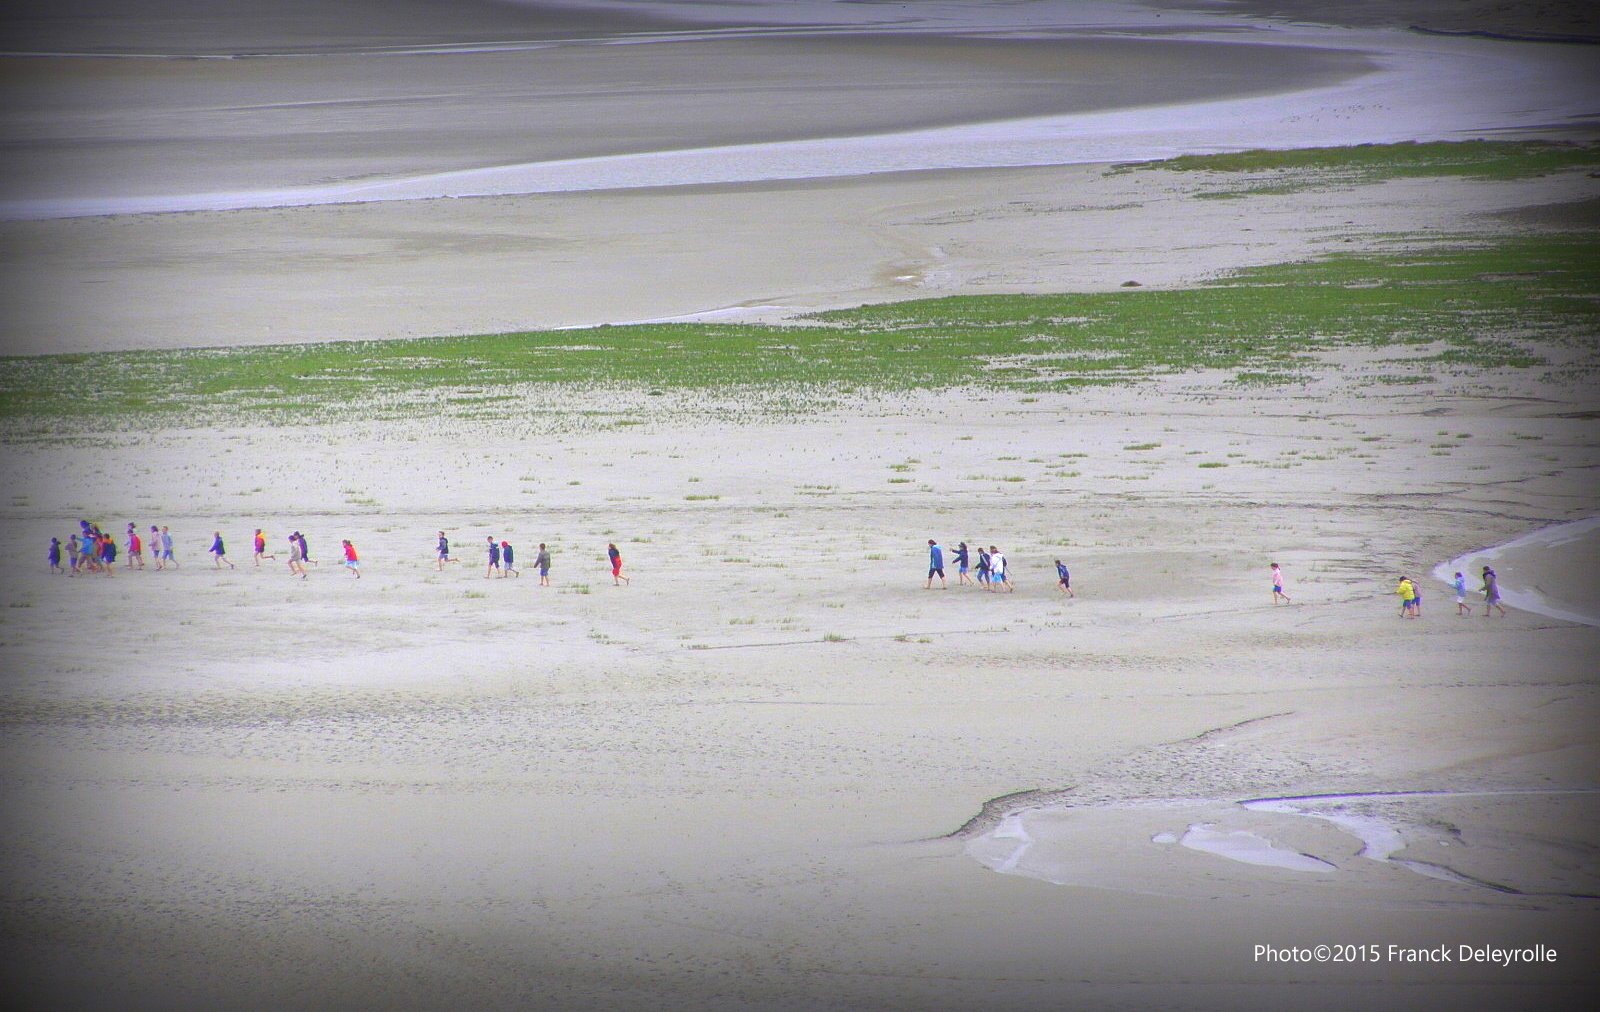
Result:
x=735 y=781
x=774 y=771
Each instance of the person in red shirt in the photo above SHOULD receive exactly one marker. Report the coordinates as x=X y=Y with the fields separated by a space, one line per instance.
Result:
x=135 y=549
x=350 y=561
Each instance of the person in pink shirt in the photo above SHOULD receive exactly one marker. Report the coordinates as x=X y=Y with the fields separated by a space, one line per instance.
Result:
x=1277 y=585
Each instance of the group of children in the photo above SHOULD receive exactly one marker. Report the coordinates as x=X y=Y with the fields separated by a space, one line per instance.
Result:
x=92 y=550
x=993 y=572
x=1410 y=593
x=299 y=553
x=502 y=558
x=1411 y=596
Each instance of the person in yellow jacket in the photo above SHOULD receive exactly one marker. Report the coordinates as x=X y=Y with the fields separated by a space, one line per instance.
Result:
x=1408 y=597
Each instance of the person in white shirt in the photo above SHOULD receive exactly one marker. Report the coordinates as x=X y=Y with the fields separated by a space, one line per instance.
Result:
x=999 y=575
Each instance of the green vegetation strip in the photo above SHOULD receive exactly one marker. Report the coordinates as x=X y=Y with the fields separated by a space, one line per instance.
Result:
x=1493 y=304
x=1324 y=168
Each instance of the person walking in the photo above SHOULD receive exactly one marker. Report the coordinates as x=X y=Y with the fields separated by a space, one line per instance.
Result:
x=444 y=551
x=351 y=562
x=985 y=569
x=108 y=552
x=494 y=559
x=1491 y=593
x=543 y=564
x=54 y=556
x=999 y=576
x=935 y=565
x=220 y=550
x=1462 y=607
x=305 y=549
x=1407 y=593
x=963 y=562
x=508 y=559
x=135 y=549
x=166 y=548
x=617 y=579
x=1277 y=586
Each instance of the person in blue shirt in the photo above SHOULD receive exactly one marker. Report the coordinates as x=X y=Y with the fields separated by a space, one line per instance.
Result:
x=220 y=551
x=935 y=564
x=1461 y=596
x=1064 y=579
x=983 y=568
x=962 y=559
x=494 y=559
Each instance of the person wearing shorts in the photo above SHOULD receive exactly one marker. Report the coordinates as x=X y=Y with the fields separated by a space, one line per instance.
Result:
x=508 y=558
x=55 y=556
x=617 y=579
x=1461 y=596
x=985 y=566
x=998 y=577
x=261 y=547
x=444 y=550
x=1064 y=579
x=543 y=562
x=962 y=559
x=935 y=565
x=1277 y=585
x=1407 y=593
x=351 y=562
x=166 y=548
x=494 y=559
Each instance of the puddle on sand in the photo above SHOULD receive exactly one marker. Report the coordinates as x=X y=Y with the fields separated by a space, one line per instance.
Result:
x=1063 y=843
x=1247 y=847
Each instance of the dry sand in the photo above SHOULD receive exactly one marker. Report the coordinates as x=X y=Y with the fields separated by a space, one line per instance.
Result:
x=758 y=775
